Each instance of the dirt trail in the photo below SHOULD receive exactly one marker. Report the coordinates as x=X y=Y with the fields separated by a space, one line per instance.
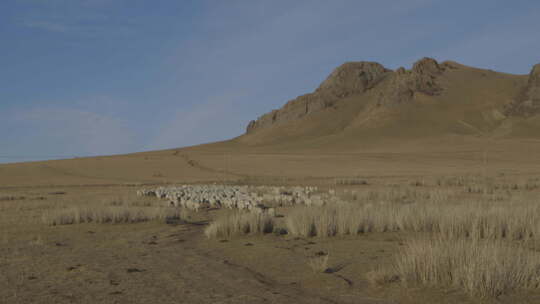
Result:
x=196 y=164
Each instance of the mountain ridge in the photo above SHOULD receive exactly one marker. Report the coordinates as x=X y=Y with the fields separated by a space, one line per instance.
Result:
x=447 y=97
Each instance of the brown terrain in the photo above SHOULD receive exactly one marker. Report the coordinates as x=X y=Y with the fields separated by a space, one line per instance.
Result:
x=439 y=133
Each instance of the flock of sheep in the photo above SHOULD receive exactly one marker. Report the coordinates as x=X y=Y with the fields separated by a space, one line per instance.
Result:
x=255 y=199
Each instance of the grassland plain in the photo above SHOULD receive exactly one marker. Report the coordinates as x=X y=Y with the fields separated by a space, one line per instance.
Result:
x=365 y=245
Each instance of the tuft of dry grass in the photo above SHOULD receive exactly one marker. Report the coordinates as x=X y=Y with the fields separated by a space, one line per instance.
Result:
x=318 y=263
x=301 y=221
x=239 y=223
x=479 y=267
x=381 y=276
x=108 y=214
x=37 y=241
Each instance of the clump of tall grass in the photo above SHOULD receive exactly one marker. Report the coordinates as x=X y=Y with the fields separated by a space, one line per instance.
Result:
x=452 y=220
x=239 y=223
x=108 y=214
x=487 y=184
x=480 y=268
x=341 y=219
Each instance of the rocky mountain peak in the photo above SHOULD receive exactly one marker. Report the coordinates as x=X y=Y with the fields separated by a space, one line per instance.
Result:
x=353 y=77
x=348 y=79
x=534 y=76
x=527 y=103
x=427 y=66
x=404 y=83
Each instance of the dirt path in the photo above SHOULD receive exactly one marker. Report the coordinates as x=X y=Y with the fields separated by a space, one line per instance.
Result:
x=196 y=164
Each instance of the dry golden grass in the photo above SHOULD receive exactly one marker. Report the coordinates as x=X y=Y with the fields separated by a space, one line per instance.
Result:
x=235 y=223
x=481 y=268
x=108 y=214
x=114 y=209
x=479 y=220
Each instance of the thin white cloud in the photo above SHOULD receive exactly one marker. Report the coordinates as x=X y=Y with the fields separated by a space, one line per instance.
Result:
x=84 y=3
x=46 y=25
x=81 y=17
x=72 y=132
x=91 y=30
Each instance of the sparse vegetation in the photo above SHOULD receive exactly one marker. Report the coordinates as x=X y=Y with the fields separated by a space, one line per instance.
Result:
x=108 y=214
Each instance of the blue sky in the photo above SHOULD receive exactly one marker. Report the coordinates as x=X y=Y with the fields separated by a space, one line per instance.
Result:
x=94 y=77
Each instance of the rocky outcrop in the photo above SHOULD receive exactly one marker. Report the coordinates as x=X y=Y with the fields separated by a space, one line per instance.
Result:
x=348 y=79
x=355 y=78
x=404 y=84
x=533 y=85
x=527 y=103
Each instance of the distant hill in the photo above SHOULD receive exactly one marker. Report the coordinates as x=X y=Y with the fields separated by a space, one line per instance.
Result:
x=363 y=102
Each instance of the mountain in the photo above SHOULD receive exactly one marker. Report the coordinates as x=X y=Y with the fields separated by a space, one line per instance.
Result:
x=364 y=102
x=435 y=119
